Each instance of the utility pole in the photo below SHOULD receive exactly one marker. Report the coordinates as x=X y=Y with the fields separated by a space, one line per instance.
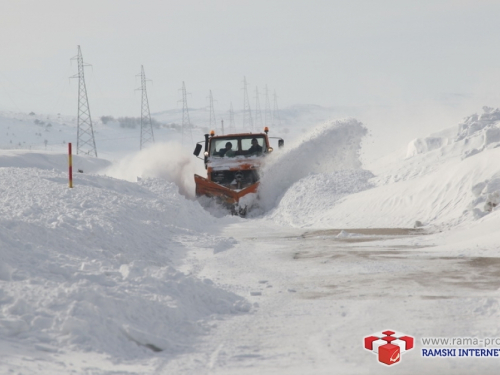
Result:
x=231 y=119
x=211 y=120
x=258 y=112
x=276 y=111
x=147 y=135
x=186 y=122
x=85 y=141
x=267 y=110
x=222 y=126
x=247 y=112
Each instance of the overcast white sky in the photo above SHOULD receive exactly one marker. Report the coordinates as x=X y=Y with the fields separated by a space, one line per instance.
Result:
x=331 y=53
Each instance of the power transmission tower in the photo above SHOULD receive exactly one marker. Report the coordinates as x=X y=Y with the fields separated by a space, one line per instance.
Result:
x=258 y=112
x=85 y=141
x=186 y=122
x=147 y=135
x=276 y=111
x=247 y=112
x=212 y=124
x=267 y=110
x=231 y=119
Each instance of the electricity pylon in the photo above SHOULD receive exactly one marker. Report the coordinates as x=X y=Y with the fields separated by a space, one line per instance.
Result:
x=85 y=141
x=276 y=111
x=211 y=119
x=247 y=112
x=231 y=119
x=186 y=122
x=267 y=110
x=147 y=135
x=258 y=112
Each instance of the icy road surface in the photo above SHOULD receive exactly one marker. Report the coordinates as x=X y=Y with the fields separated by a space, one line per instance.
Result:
x=317 y=294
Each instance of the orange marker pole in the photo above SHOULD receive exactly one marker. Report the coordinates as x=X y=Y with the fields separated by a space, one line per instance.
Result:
x=70 y=161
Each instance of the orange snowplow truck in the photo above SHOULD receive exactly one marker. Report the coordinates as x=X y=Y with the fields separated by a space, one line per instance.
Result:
x=232 y=162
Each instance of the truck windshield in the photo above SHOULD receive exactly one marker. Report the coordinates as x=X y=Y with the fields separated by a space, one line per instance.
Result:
x=236 y=146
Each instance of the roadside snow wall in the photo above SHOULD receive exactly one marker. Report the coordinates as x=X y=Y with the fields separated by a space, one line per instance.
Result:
x=95 y=268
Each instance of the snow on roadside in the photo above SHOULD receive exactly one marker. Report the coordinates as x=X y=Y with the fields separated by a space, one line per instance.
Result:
x=305 y=202
x=95 y=268
x=475 y=134
x=442 y=197
x=447 y=178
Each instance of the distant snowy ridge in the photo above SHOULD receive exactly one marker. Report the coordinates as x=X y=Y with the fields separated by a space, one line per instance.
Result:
x=50 y=160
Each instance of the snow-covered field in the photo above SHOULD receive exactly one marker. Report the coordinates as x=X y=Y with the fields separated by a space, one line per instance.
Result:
x=126 y=273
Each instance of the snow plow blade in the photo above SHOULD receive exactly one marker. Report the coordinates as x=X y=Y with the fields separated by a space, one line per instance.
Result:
x=212 y=189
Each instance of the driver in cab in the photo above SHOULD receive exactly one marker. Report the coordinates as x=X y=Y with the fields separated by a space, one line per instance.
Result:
x=227 y=151
x=256 y=148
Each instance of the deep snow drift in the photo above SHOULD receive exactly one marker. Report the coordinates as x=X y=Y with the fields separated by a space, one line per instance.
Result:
x=96 y=268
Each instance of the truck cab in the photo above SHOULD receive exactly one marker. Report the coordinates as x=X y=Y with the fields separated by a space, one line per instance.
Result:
x=232 y=162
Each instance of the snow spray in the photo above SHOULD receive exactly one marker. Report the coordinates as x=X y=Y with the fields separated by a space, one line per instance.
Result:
x=329 y=147
x=170 y=161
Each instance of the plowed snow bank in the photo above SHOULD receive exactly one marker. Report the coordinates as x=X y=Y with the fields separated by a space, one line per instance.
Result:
x=95 y=268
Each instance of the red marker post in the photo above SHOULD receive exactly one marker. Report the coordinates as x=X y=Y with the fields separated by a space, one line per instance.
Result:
x=70 y=162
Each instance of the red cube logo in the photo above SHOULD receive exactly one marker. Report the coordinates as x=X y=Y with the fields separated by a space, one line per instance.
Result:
x=388 y=345
x=389 y=354
x=369 y=342
x=409 y=342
